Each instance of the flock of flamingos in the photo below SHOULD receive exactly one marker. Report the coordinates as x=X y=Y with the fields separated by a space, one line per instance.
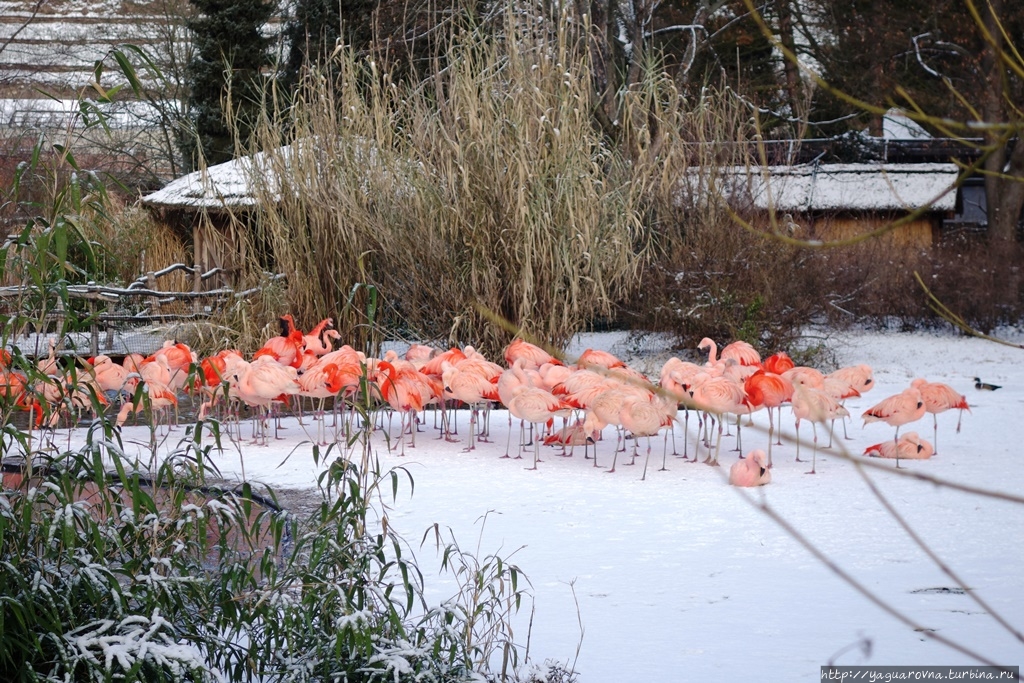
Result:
x=535 y=387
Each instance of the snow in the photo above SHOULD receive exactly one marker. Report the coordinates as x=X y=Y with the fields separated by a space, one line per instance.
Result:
x=236 y=183
x=65 y=113
x=226 y=184
x=682 y=577
x=824 y=187
x=896 y=125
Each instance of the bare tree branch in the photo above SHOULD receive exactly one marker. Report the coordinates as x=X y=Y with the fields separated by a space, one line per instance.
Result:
x=24 y=25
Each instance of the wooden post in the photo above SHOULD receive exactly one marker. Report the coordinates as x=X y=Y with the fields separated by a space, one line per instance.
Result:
x=151 y=284
x=58 y=317
x=94 y=329
x=110 y=328
x=197 y=286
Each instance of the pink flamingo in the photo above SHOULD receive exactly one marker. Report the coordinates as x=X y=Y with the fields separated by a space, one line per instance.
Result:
x=898 y=410
x=318 y=340
x=645 y=417
x=751 y=470
x=718 y=396
x=742 y=352
x=406 y=390
x=675 y=378
x=537 y=406
x=262 y=382
x=321 y=382
x=815 y=406
x=286 y=348
x=848 y=382
x=909 y=447
x=938 y=398
x=471 y=383
x=532 y=355
x=778 y=363
x=595 y=358
x=770 y=391
x=179 y=361
x=110 y=376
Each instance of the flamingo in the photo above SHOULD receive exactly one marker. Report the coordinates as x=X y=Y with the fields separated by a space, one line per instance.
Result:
x=321 y=382
x=111 y=377
x=815 y=406
x=644 y=417
x=532 y=355
x=318 y=340
x=179 y=359
x=594 y=358
x=938 y=398
x=49 y=366
x=898 y=410
x=717 y=396
x=510 y=384
x=778 y=363
x=536 y=406
x=419 y=354
x=751 y=470
x=216 y=372
x=159 y=397
x=471 y=383
x=285 y=348
x=742 y=352
x=908 y=447
x=675 y=378
x=263 y=381
x=848 y=382
x=769 y=390
x=405 y=390
x=805 y=377
x=575 y=434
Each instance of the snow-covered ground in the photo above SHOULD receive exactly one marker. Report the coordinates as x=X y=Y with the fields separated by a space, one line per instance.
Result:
x=682 y=577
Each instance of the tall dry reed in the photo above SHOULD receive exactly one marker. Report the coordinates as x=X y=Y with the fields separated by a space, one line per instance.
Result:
x=483 y=192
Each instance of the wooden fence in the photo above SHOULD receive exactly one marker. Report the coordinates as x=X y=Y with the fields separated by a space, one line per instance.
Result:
x=140 y=304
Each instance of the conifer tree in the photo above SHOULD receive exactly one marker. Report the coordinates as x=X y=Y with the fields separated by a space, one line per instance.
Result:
x=232 y=52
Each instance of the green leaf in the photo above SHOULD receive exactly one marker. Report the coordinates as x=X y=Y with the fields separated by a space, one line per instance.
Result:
x=129 y=71
x=65 y=152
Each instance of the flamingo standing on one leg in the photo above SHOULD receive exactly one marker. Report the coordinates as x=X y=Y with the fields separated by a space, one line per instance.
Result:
x=815 y=406
x=857 y=380
x=537 y=406
x=676 y=376
x=645 y=417
x=718 y=396
x=898 y=410
x=938 y=398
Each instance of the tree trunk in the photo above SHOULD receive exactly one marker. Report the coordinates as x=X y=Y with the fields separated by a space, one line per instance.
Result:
x=793 y=83
x=1004 y=191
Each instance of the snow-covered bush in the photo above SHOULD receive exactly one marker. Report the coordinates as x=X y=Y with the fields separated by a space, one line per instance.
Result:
x=107 y=574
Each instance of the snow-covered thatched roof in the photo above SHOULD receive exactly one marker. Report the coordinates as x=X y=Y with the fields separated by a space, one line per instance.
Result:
x=227 y=185
x=244 y=182
x=837 y=187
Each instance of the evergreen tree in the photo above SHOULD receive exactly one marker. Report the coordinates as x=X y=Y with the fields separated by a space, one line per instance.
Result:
x=312 y=34
x=231 y=54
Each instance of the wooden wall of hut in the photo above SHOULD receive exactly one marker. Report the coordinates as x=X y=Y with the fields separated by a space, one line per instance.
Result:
x=219 y=242
x=920 y=233
x=216 y=239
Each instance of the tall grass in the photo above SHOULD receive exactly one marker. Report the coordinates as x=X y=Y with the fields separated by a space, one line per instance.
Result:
x=482 y=191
